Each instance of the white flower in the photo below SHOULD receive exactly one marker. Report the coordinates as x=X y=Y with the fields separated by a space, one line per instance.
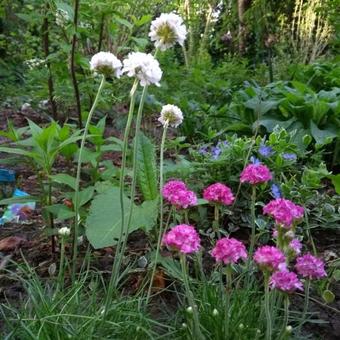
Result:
x=25 y=107
x=166 y=30
x=106 y=63
x=171 y=114
x=64 y=231
x=144 y=67
x=61 y=17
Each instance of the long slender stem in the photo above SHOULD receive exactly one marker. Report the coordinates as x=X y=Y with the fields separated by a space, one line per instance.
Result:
x=216 y=223
x=116 y=265
x=197 y=332
x=286 y=316
x=61 y=264
x=253 y=223
x=72 y=62
x=267 y=306
x=229 y=274
x=160 y=232
x=126 y=226
x=77 y=184
x=306 y=303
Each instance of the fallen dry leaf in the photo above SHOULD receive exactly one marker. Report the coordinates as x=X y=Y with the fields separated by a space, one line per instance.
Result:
x=11 y=243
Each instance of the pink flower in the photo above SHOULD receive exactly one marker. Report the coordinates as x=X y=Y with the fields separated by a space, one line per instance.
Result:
x=177 y=194
x=270 y=258
x=183 y=199
x=255 y=174
x=285 y=281
x=310 y=266
x=285 y=212
x=183 y=238
x=295 y=245
x=218 y=193
x=172 y=187
x=229 y=250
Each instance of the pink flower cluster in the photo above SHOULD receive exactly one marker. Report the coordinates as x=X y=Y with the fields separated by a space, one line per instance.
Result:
x=229 y=250
x=310 y=266
x=255 y=174
x=270 y=258
x=183 y=238
x=285 y=281
x=285 y=212
x=295 y=245
x=218 y=193
x=177 y=194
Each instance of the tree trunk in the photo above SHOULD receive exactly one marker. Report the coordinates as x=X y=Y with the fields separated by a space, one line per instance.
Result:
x=242 y=6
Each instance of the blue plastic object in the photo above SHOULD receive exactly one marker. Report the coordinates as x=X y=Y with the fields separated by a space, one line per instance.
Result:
x=7 y=175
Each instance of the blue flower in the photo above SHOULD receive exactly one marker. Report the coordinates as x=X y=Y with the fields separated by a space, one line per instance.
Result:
x=266 y=151
x=255 y=160
x=276 y=191
x=215 y=151
x=289 y=156
x=222 y=144
x=203 y=150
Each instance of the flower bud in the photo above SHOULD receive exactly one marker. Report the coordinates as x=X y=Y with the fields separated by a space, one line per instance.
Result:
x=215 y=312
x=289 y=329
x=64 y=231
x=189 y=310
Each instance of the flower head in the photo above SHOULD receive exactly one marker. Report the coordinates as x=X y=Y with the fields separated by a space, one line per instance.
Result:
x=216 y=151
x=289 y=156
x=218 y=193
x=167 y=30
x=284 y=211
x=295 y=246
x=255 y=174
x=229 y=250
x=171 y=187
x=171 y=114
x=177 y=194
x=270 y=258
x=266 y=151
x=183 y=238
x=276 y=191
x=144 y=67
x=285 y=281
x=310 y=266
x=106 y=63
x=64 y=231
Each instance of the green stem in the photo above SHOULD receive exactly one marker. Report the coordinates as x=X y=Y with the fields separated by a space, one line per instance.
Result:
x=160 y=233
x=116 y=262
x=186 y=216
x=76 y=195
x=253 y=233
x=305 y=305
x=61 y=264
x=229 y=274
x=133 y=187
x=267 y=306
x=286 y=316
x=197 y=331
x=216 y=223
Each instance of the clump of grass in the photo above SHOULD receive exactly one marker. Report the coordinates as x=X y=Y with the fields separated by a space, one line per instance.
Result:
x=74 y=312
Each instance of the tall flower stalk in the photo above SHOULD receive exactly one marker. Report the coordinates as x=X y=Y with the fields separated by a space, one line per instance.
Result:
x=105 y=64
x=170 y=115
x=267 y=306
x=77 y=183
x=117 y=259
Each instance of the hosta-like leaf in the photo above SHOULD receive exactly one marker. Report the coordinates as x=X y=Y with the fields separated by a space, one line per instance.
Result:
x=103 y=224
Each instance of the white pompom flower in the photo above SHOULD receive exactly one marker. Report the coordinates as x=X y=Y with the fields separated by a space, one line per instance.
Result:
x=167 y=30
x=106 y=63
x=172 y=115
x=64 y=231
x=144 y=67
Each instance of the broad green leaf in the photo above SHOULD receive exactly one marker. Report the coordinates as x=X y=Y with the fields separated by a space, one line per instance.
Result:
x=321 y=137
x=64 y=179
x=336 y=182
x=103 y=224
